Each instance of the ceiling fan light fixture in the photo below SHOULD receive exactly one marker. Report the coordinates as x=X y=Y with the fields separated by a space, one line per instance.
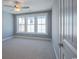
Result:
x=17 y=9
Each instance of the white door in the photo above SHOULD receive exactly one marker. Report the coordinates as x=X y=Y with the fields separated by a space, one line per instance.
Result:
x=68 y=49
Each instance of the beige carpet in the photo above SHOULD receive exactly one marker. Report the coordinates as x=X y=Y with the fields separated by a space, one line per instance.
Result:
x=26 y=49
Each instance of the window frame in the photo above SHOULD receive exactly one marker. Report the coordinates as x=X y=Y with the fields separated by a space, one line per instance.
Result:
x=30 y=24
x=17 y=24
x=35 y=17
x=43 y=24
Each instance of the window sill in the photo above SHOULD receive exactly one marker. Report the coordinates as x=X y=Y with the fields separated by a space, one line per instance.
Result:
x=32 y=33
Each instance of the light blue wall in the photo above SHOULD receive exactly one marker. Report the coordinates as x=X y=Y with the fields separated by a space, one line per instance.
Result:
x=7 y=24
x=55 y=27
x=49 y=35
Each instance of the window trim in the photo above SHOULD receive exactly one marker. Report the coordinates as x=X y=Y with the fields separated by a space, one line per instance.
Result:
x=35 y=16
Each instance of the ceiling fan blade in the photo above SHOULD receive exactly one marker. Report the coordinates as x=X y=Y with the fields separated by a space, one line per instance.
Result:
x=25 y=7
x=8 y=6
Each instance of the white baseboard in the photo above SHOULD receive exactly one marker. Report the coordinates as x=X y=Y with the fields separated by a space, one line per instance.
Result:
x=4 y=39
x=55 y=53
x=32 y=37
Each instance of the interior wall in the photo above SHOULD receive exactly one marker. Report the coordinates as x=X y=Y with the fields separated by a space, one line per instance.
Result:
x=55 y=27
x=49 y=35
x=7 y=24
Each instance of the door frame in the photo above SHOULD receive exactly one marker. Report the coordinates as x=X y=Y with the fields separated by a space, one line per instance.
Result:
x=61 y=29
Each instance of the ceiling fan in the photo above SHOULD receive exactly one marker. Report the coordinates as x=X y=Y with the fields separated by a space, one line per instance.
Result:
x=18 y=6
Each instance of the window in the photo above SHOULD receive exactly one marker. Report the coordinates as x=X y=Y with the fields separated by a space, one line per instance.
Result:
x=32 y=24
x=21 y=24
x=41 y=24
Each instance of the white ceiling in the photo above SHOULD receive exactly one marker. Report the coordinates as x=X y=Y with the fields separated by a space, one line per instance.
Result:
x=35 y=6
